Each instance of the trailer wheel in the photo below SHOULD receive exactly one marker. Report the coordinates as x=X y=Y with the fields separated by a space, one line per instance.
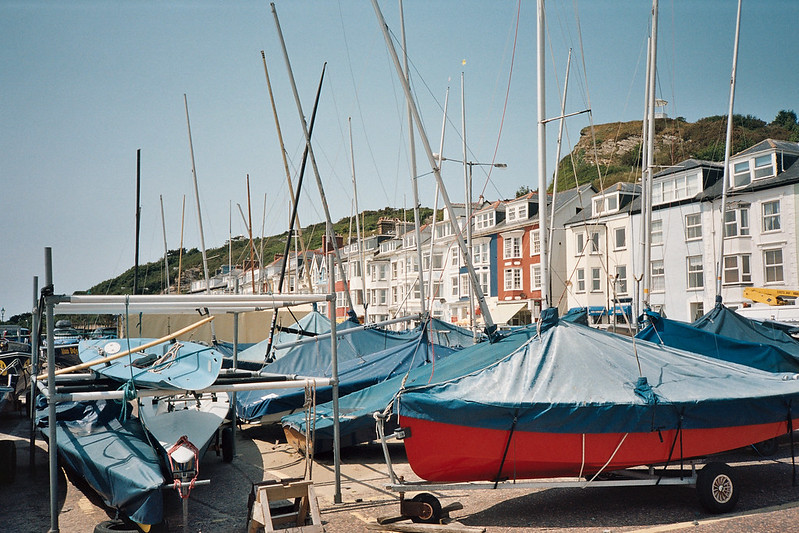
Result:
x=431 y=517
x=767 y=448
x=8 y=461
x=716 y=487
x=227 y=445
x=115 y=526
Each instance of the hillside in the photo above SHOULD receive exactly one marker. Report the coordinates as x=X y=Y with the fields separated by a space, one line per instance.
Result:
x=618 y=145
x=618 y=149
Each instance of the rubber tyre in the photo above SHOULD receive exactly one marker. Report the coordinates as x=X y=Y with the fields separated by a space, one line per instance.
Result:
x=227 y=445
x=435 y=506
x=8 y=462
x=115 y=526
x=767 y=448
x=717 y=487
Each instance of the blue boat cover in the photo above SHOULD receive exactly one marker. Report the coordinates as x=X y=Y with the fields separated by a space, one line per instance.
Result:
x=724 y=334
x=354 y=374
x=193 y=367
x=575 y=379
x=355 y=344
x=356 y=423
x=114 y=457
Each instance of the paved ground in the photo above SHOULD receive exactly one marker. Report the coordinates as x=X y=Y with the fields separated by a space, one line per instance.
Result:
x=769 y=501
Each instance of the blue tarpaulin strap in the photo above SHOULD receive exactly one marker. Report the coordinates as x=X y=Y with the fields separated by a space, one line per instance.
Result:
x=498 y=478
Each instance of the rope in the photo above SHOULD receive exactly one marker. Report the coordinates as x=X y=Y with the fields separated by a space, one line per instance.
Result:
x=310 y=425
x=184 y=441
x=505 y=453
x=609 y=459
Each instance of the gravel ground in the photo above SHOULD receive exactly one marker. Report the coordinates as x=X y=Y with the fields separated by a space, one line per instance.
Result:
x=769 y=501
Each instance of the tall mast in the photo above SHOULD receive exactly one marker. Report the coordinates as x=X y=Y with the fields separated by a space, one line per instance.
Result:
x=467 y=186
x=646 y=206
x=542 y=155
x=252 y=244
x=727 y=145
x=288 y=177
x=328 y=220
x=489 y=323
x=180 y=252
x=166 y=249
x=138 y=222
x=197 y=198
x=412 y=150
x=358 y=229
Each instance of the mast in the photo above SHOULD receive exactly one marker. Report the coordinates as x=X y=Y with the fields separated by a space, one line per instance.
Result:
x=561 y=124
x=542 y=155
x=294 y=204
x=252 y=245
x=435 y=200
x=727 y=145
x=414 y=186
x=489 y=323
x=328 y=220
x=358 y=229
x=288 y=177
x=646 y=187
x=166 y=249
x=197 y=198
x=138 y=222
x=180 y=253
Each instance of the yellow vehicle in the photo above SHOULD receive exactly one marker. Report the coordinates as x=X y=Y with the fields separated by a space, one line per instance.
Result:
x=771 y=296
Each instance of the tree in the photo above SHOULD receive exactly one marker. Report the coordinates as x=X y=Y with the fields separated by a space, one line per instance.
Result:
x=521 y=191
x=786 y=119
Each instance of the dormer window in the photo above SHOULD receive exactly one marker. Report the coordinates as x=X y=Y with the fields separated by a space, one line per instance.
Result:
x=516 y=212
x=676 y=188
x=743 y=172
x=604 y=205
x=484 y=220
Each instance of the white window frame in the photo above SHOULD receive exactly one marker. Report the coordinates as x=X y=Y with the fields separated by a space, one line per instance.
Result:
x=512 y=278
x=737 y=221
x=580 y=284
x=695 y=272
x=693 y=227
x=484 y=220
x=656 y=235
x=616 y=232
x=512 y=247
x=773 y=271
x=620 y=279
x=535 y=277
x=739 y=265
x=535 y=242
x=596 y=279
x=771 y=220
x=658 y=276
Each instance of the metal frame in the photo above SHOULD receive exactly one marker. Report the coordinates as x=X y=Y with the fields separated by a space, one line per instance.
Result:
x=210 y=304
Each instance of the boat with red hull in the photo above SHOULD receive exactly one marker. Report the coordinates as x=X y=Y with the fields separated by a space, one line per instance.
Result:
x=575 y=401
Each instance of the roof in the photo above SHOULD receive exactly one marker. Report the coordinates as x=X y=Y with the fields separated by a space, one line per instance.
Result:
x=770 y=144
x=688 y=164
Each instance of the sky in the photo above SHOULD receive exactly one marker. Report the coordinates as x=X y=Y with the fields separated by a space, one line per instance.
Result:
x=85 y=84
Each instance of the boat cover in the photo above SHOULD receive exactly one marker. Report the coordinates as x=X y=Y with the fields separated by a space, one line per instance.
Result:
x=114 y=457
x=724 y=334
x=354 y=344
x=193 y=367
x=356 y=422
x=354 y=374
x=576 y=379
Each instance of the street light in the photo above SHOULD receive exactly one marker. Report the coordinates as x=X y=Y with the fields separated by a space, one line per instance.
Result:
x=468 y=186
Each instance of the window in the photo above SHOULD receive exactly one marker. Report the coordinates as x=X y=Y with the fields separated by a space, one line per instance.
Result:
x=480 y=253
x=580 y=236
x=772 y=261
x=512 y=247
x=696 y=274
x=535 y=242
x=513 y=279
x=466 y=285
x=763 y=167
x=595 y=242
x=437 y=289
x=381 y=296
x=771 y=215
x=395 y=269
x=482 y=276
x=355 y=269
x=740 y=174
x=736 y=222
x=580 y=280
x=621 y=279
x=455 y=284
x=619 y=239
x=382 y=271
x=697 y=310
x=535 y=277
x=606 y=204
x=657 y=232
x=596 y=276
x=693 y=227
x=515 y=213
x=658 y=276
x=736 y=269
x=484 y=220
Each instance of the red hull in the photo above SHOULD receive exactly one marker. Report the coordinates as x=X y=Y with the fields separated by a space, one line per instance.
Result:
x=451 y=453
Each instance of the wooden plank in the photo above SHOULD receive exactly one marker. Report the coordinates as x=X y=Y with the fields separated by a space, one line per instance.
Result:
x=452 y=527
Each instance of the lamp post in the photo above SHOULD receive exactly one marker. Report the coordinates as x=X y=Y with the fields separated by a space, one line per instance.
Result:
x=468 y=187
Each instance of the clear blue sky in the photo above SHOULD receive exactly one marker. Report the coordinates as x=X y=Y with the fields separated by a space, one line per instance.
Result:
x=87 y=83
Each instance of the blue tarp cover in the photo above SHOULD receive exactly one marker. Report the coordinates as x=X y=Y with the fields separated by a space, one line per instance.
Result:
x=355 y=410
x=114 y=457
x=354 y=374
x=575 y=379
x=725 y=335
